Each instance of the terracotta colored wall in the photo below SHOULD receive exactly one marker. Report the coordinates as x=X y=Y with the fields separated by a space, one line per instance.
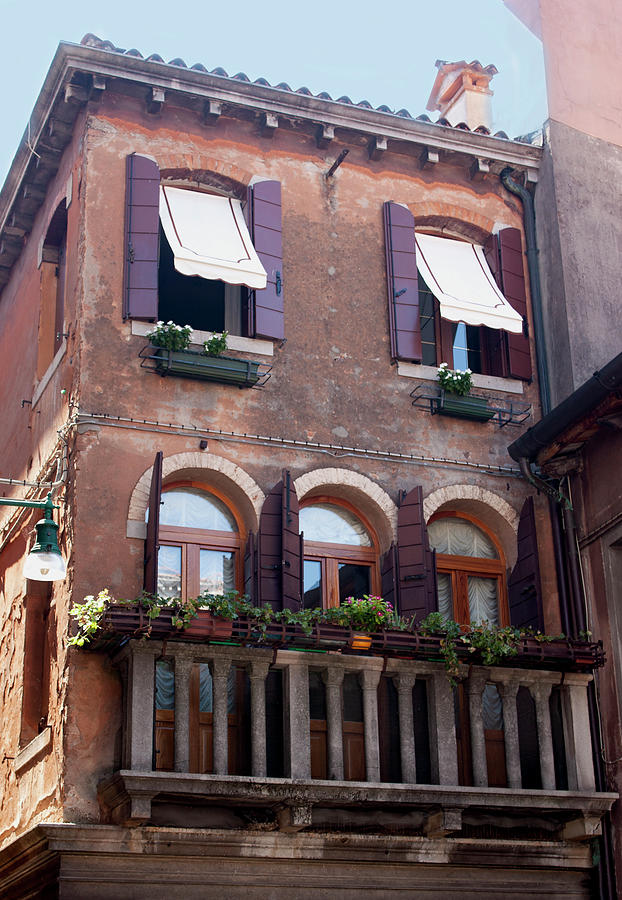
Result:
x=332 y=381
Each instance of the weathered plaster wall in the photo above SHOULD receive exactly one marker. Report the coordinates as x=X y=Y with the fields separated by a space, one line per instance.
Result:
x=580 y=240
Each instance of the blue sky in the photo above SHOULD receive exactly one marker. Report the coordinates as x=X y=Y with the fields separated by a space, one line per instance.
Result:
x=383 y=52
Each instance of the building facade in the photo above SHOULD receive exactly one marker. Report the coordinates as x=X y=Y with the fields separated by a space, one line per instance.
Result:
x=333 y=242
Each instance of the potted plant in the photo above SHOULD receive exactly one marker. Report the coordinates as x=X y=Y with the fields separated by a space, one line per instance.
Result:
x=364 y=615
x=456 y=399
x=173 y=357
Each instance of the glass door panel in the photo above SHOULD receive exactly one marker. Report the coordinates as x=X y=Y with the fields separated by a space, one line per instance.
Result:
x=217 y=571
x=354 y=580
x=312 y=584
x=169 y=571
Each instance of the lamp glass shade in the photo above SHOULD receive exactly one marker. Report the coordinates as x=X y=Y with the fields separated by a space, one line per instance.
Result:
x=43 y=565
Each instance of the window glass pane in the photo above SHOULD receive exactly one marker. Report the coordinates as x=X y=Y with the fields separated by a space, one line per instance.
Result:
x=492 y=708
x=445 y=596
x=169 y=571
x=483 y=600
x=427 y=324
x=354 y=580
x=466 y=347
x=333 y=524
x=164 y=685
x=352 y=698
x=217 y=572
x=312 y=583
x=205 y=689
x=192 y=508
x=459 y=537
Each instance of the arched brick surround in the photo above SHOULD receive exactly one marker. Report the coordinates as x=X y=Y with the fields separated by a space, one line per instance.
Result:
x=214 y=470
x=490 y=508
x=203 y=169
x=359 y=490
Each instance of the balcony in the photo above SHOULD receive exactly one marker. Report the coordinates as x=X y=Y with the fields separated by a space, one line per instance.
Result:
x=301 y=739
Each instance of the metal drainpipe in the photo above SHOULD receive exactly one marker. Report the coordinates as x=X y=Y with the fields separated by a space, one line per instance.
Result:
x=529 y=219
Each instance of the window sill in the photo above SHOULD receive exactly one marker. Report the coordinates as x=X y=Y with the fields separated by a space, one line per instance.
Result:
x=488 y=382
x=33 y=749
x=46 y=378
x=234 y=341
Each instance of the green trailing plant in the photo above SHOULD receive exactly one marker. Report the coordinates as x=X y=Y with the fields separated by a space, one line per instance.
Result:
x=489 y=644
x=170 y=336
x=455 y=381
x=216 y=345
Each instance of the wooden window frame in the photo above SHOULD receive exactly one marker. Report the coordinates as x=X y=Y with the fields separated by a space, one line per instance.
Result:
x=193 y=540
x=330 y=555
x=460 y=567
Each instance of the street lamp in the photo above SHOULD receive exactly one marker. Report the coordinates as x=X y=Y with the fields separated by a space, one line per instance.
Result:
x=44 y=562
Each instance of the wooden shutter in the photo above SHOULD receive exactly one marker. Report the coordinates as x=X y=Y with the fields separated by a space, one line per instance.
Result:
x=417 y=575
x=494 y=340
x=266 y=306
x=389 y=576
x=250 y=568
x=142 y=228
x=402 y=283
x=524 y=590
x=292 y=555
x=270 y=547
x=513 y=279
x=153 y=527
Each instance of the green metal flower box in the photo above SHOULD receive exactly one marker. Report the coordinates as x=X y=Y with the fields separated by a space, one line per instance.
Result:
x=190 y=364
x=465 y=407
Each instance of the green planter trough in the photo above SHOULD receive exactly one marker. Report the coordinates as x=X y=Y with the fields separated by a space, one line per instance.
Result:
x=190 y=364
x=465 y=407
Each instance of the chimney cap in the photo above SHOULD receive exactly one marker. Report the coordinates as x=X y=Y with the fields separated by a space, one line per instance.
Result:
x=445 y=86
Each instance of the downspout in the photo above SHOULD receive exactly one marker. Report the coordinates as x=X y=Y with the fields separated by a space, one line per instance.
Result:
x=529 y=219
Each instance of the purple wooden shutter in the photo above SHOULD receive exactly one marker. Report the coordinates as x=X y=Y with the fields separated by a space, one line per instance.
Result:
x=417 y=576
x=402 y=282
x=388 y=575
x=153 y=527
x=250 y=568
x=267 y=305
x=292 y=557
x=270 y=549
x=524 y=590
x=494 y=340
x=513 y=279
x=142 y=228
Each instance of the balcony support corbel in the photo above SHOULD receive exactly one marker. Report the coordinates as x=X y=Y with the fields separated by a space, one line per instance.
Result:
x=443 y=822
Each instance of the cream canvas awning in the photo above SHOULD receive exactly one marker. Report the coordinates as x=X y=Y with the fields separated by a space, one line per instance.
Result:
x=458 y=275
x=209 y=237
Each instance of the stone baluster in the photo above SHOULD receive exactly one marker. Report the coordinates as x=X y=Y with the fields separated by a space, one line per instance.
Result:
x=220 y=667
x=297 y=724
x=404 y=684
x=475 y=688
x=444 y=750
x=508 y=690
x=369 y=679
x=333 y=679
x=541 y=693
x=141 y=689
x=577 y=731
x=258 y=673
x=183 y=668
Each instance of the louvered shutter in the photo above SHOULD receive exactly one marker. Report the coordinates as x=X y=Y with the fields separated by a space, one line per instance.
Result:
x=389 y=575
x=250 y=568
x=417 y=575
x=270 y=549
x=513 y=280
x=494 y=340
x=153 y=527
x=402 y=283
x=266 y=306
x=524 y=590
x=292 y=556
x=142 y=228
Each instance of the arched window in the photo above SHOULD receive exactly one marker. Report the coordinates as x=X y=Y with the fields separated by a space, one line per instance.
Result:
x=341 y=553
x=471 y=570
x=200 y=539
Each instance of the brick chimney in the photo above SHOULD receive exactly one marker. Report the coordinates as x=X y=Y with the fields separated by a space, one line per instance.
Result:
x=461 y=93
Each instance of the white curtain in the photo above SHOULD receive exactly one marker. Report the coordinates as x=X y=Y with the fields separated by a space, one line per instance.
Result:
x=483 y=600
x=445 y=599
x=458 y=537
x=164 y=685
x=492 y=708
